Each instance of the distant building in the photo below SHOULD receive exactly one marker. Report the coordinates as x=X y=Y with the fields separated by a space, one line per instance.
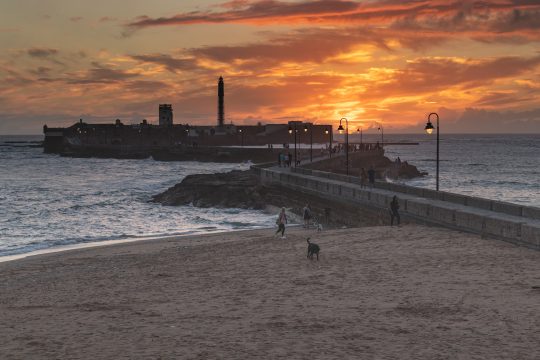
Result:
x=165 y=115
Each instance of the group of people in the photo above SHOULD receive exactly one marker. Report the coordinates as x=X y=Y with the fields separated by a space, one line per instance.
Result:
x=285 y=160
x=308 y=215
x=282 y=219
x=367 y=175
x=353 y=147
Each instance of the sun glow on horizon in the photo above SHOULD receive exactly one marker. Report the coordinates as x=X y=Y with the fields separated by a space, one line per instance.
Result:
x=384 y=61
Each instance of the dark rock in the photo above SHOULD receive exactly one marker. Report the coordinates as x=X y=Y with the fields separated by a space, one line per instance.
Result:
x=402 y=170
x=241 y=189
x=383 y=166
x=235 y=189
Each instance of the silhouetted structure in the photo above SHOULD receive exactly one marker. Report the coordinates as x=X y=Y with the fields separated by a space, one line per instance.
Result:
x=165 y=115
x=139 y=140
x=221 y=102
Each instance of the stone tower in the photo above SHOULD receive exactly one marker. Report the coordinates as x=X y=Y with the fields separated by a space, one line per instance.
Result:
x=221 y=98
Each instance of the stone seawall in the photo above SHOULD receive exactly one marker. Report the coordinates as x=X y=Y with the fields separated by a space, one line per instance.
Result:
x=515 y=223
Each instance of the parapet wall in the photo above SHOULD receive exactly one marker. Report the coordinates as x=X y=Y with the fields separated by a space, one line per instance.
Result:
x=510 y=222
x=472 y=201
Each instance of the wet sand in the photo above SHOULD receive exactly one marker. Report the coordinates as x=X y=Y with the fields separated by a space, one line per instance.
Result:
x=413 y=292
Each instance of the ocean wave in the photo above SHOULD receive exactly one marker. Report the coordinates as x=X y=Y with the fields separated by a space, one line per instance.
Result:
x=54 y=201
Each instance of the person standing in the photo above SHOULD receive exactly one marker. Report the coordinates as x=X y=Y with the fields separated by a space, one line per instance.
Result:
x=289 y=162
x=394 y=207
x=371 y=175
x=281 y=221
x=280 y=155
x=363 y=178
x=307 y=215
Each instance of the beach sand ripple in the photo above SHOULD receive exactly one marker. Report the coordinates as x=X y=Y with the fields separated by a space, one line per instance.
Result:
x=412 y=292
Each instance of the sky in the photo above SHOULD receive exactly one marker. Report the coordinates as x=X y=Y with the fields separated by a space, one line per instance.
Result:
x=388 y=62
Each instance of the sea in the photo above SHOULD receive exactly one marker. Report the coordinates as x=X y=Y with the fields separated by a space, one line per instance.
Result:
x=48 y=201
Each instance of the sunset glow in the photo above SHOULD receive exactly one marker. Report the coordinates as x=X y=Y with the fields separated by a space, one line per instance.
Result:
x=477 y=63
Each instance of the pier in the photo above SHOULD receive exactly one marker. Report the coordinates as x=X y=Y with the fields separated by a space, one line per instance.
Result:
x=494 y=219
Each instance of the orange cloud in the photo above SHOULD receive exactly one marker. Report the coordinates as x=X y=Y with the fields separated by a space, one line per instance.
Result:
x=390 y=63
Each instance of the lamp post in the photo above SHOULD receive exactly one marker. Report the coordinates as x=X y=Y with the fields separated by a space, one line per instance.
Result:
x=326 y=131
x=310 y=141
x=381 y=129
x=359 y=131
x=241 y=131
x=295 y=132
x=429 y=130
x=340 y=129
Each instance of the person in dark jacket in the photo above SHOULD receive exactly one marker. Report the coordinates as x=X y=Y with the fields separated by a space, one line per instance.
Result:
x=394 y=207
x=371 y=176
x=280 y=222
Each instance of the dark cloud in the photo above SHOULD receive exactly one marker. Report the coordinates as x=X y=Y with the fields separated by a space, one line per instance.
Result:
x=41 y=71
x=172 y=64
x=467 y=16
x=11 y=77
x=502 y=99
x=146 y=86
x=42 y=52
x=312 y=46
x=100 y=75
x=239 y=11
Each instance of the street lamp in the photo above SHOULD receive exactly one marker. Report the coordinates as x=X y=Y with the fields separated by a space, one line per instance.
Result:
x=295 y=132
x=340 y=129
x=381 y=129
x=242 y=136
x=429 y=129
x=359 y=130
x=310 y=141
x=326 y=131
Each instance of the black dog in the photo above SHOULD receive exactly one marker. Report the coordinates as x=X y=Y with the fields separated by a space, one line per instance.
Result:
x=312 y=249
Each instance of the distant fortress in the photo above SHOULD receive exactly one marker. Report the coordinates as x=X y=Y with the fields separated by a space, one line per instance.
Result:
x=139 y=140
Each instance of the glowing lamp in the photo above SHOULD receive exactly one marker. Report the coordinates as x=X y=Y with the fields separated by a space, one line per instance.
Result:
x=429 y=127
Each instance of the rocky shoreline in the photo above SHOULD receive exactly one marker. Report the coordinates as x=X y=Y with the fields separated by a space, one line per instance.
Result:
x=241 y=189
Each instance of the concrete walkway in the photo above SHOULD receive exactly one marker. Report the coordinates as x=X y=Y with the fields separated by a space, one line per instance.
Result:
x=509 y=222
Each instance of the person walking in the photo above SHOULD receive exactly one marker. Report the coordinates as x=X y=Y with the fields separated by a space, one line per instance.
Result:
x=363 y=178
x=371 y=176
x=307 y=215
x=281 y=221
x=279 y=157
x=394 y=207
x=289 y=162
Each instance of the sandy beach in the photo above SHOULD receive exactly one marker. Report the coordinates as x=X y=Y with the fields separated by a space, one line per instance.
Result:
x=411 y=292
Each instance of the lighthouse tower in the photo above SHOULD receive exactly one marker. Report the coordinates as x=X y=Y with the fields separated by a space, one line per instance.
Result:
x=221 y=98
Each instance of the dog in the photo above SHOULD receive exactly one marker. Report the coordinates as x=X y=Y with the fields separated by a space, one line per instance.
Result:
x=312 y=249
x=318 y=225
